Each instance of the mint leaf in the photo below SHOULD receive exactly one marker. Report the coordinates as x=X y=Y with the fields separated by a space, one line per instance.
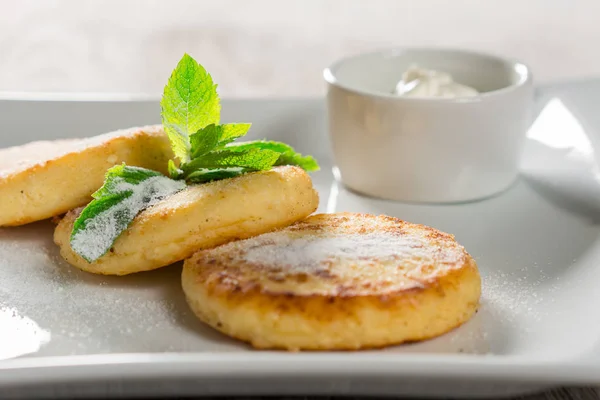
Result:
x=235 y=159
x=231 y=132
x=205 y=140
x=287 y=155
x=214 y=137
x=189 y=102
x=307 y=163
x=126 y=192
x=251 y=159
x=208 y=175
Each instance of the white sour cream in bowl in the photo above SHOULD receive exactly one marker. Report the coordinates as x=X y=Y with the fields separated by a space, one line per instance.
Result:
x=421 y=82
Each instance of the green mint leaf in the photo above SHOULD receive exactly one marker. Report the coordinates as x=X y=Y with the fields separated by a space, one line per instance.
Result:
x=307 y=163
x=213 y=137
x=205 y=140
x=118 y=174
x=251 y=159
x=208 y=175
x=126 y=192
x=174 y=171
x=189 y=103
x=231 y=132
x=287 y=155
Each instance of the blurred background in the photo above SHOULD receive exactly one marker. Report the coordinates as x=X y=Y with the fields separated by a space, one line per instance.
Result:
x=272 y=48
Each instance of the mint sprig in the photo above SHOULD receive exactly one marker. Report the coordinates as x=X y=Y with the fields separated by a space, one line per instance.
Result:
x=205 y=151
x=206 y=148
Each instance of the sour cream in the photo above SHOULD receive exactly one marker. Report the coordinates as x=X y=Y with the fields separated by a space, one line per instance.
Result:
x=419 y=82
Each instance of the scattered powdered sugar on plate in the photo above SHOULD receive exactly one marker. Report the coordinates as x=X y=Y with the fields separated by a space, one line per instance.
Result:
x=513 y=294
x=100 y=232
x=304 y=252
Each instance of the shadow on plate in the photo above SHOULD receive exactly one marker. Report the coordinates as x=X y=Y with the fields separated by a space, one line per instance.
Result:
x=584 y=206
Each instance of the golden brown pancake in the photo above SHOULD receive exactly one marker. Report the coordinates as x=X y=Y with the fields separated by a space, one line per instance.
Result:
x=43 y=179
x=335 y=282
x=199 y=217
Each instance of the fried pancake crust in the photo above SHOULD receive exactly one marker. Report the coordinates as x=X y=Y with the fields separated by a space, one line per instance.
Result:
x=335 y=282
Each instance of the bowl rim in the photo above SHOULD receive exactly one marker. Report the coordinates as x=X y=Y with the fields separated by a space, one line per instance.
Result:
x=520 y=68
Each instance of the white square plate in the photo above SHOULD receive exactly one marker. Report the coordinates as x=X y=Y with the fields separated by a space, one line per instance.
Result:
x=64 y=332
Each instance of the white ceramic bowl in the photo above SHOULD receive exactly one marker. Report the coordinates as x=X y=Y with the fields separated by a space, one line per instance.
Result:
x=428 y=149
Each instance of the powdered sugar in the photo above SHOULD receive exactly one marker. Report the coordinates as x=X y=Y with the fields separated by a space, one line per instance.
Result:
x=101 y=231
x=307 y=251
x=19 y=158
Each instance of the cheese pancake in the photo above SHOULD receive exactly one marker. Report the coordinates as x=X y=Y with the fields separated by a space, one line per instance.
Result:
x=43 y=179
x=335 y=282
x=199 y=217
